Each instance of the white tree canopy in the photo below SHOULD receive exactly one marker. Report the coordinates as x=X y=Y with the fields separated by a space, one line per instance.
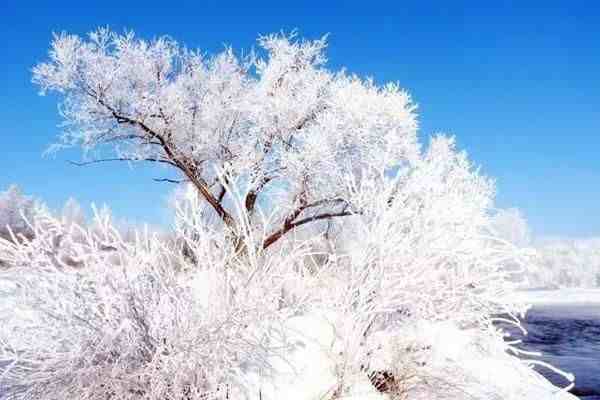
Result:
x=277 y=118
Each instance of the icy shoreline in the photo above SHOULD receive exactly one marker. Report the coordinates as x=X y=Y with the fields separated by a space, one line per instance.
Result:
x=563 y=296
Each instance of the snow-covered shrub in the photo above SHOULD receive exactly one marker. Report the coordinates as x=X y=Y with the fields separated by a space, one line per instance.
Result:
x=419 y=251
x=136 y=319
x=99 y=316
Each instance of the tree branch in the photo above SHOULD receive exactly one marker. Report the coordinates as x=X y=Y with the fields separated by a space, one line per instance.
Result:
x=84 y=163
x=182 y=163
x=290 y=222
x=275 y=236
x=169 y=180
x=252 y=196
x=189 y=169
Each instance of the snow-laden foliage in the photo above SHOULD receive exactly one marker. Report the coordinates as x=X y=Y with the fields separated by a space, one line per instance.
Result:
x=314 y=227
x=277 y=119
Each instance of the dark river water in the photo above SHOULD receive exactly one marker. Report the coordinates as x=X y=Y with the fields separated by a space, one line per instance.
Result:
x=569 y=338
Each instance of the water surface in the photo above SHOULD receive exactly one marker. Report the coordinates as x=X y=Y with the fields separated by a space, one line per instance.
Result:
x=569 y=338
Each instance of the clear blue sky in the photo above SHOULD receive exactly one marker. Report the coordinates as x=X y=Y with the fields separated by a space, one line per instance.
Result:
x=517 y=84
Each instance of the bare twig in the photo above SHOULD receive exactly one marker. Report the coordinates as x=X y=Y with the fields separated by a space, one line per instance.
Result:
x=90 y=162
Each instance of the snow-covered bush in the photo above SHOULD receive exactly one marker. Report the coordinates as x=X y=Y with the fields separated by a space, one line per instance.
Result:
x=136 y=319
x=92 y=315
x=419 y=252
x=95 y=316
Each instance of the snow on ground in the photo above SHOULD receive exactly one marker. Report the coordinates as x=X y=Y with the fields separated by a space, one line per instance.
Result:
x=457 y=364
x=565 y=296
x=477 y=366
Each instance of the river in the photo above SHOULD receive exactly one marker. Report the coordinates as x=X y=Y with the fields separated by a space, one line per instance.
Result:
x=569 y=338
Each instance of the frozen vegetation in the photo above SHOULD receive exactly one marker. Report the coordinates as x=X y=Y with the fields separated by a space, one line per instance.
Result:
x=568 y=263
x=556 y=262
x=319 y=251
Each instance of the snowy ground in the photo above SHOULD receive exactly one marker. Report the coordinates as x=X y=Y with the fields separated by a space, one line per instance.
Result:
x=459 y=364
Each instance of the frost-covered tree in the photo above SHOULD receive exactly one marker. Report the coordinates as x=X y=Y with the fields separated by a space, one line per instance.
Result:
x=280 y=150
x=277 y=120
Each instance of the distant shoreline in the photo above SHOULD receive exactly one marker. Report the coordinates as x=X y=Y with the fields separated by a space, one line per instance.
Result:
x=560 y=296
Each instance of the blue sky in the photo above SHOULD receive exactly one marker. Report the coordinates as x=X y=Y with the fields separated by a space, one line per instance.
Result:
x=517 y=84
